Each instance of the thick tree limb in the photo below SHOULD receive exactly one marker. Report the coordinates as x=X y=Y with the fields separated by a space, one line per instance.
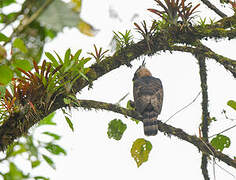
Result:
x=205 y=113
x=212 y=7
x=203 y=146
x=18 y=123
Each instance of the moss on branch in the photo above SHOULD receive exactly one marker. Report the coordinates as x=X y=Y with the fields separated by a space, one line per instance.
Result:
x=203 y=146
x=161 y=41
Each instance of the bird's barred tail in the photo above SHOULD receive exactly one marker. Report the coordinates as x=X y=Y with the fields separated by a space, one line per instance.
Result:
x=150 y=123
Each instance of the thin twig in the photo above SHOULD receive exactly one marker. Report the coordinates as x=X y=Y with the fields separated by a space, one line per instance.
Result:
x=122 y=98
x=35 y=15
x=223 y=131
x=183 y=107
x=25 y=22
x=226 y=170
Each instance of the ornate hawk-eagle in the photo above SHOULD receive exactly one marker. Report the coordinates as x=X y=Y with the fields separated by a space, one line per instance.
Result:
x=148 y=98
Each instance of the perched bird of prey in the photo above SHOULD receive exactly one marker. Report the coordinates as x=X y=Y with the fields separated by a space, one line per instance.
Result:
x=148 y=98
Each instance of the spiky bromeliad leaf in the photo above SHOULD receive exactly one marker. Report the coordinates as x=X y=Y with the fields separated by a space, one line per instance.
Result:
x=140 y=150
x=55 y=149
x=116 y=128
x=49 y=161
x=220 y=142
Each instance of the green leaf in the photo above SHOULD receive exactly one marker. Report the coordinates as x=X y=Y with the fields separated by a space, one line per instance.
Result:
x=6 y=2
x=232 y=104
x=19 y=44
x=34 y=164
x=55 y=136
x=21 y=148
x=77 y=54
x=52 y=59
x=31 y=147
x=66 y=100
x=220 y=142
x=6 y=74
x=14 y=173
x=48 y=120
x=49 y=161
x=58 y=15
x=3 y=37
x=2 y=91
x=59 y=58
x=82 y=62
x=82 y=74
x=69 y=123
x=130 y=107
x=67 y=58
x=23 y=64
x=41 y=178
x=116 y=128
x=140 y=150
x=55 y=149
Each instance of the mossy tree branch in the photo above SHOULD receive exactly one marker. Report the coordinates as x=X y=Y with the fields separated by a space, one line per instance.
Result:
x=204 y=146
x=18 y=123
x=212 y=7
x=205 y=113
x=229 y=64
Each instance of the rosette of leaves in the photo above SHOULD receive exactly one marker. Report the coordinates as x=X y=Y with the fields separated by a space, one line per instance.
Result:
x=99 y=55
x=186 y=12
x=173 y=9
x=170 y=13
x=123 y=40
x=72 y=67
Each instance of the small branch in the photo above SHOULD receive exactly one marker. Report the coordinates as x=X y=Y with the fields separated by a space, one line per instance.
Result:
x=183 y=107
x=203 y=146
x=223 y=131
x=212 y=7
x=228 y=63
x=26 y=21
x=34 y=16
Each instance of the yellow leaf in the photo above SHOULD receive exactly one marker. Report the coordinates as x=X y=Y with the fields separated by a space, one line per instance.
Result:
x=86 y=28
x=77 y=7
x=140 y=150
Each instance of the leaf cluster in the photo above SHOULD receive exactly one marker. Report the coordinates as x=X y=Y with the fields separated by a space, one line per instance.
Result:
x=175 y=9
x=35 y=152
x=99 y=55
x=123 y=40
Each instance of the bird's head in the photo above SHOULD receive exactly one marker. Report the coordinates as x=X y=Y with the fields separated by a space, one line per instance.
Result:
x=141 y=72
